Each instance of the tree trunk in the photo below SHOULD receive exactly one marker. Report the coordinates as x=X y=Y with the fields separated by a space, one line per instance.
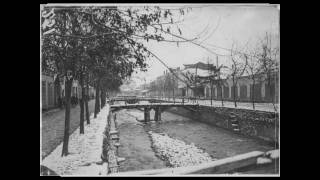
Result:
x=97 y=103
x=86 y=102
x=211 y=87
x=82 y=105
x=58 y=93
x=174 y=100
x=252 y=97
x=67 y=118
x=273 y=96
x=234 y=94
x=103 y=97
x=221 y=96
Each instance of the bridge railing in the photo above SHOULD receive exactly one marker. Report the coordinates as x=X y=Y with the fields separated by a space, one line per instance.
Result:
x=262 y=106
x=153 y=99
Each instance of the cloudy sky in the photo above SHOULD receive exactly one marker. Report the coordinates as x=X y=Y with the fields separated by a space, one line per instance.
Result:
x=215 y=25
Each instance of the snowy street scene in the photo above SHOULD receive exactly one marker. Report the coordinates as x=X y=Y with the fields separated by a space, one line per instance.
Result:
x=159 y=90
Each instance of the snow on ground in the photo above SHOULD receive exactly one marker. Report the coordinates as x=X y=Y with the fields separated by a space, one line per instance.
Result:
x=177 y=152
x=240 y=105
x=84 y=150
x=274 y=154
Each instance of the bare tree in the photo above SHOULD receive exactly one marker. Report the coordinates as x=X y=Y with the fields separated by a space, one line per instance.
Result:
x=253 y=69
x=269 y=63
x=237 y=70
x=191 y=82
x=220 y=83
x=214 y=72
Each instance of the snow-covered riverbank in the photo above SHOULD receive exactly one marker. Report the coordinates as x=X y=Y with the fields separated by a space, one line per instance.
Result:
x=85 y=150
x=176 y=152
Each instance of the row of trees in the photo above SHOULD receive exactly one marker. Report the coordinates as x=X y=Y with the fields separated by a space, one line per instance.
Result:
x=260 y=63
x=165 y=86
x=98 y=46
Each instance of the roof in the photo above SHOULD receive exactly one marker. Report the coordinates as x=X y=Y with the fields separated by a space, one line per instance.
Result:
x=200 y=65
x=199 y=72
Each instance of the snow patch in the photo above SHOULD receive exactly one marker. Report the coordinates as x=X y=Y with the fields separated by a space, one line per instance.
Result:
x=177 y=152
x=274 y=154
x=84 y=150
x=263 y=160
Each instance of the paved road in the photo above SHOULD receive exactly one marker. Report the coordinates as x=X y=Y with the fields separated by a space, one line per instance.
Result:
x=53 y=126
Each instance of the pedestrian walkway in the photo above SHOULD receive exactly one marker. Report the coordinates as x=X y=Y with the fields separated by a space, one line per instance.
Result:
x=230 y=104
x=52 y=126
x=85 y=150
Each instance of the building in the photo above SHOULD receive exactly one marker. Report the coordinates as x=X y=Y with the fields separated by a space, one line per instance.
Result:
x=244 y=91
x=49 y=97
x=262 y=91
x=195 y=89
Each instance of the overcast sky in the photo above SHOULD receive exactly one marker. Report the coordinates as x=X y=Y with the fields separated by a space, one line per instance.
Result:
x=219 y=25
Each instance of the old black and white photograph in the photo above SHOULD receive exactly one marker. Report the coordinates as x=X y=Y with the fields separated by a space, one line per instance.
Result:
x=181 y=89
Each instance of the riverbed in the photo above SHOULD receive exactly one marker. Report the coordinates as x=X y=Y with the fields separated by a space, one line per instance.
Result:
x=136 y=144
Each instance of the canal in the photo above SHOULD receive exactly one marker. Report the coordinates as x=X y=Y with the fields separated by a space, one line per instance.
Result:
x=136 y=145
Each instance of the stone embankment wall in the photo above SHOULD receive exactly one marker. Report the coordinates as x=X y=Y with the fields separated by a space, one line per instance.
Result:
x=258 y=124
x=110 y=141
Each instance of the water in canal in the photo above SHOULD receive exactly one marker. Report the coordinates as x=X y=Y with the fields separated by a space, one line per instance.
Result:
x=136 y=143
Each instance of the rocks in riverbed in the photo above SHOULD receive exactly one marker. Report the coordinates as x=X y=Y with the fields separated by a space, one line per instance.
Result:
x=177 y=152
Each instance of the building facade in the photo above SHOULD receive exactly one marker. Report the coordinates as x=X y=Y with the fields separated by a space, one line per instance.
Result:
x=244 y=91
x=262 y=91
x=49 y=96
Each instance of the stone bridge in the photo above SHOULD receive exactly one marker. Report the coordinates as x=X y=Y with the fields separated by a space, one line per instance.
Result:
x=135 y=99
x=157 y=107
